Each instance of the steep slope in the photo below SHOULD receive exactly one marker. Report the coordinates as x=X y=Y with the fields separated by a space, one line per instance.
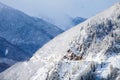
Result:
x=26 y=32
x=10 y=54
x=89 y=51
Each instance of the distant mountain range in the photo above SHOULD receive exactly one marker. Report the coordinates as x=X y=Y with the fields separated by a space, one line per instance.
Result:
x=26 y=32
x=89 y=51
x=21 y=35
x=78 y=20
x=65 y=22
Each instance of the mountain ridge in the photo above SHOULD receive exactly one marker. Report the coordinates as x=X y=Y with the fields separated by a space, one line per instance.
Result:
x=20 y=25
x=89 y=51
x=23 y=33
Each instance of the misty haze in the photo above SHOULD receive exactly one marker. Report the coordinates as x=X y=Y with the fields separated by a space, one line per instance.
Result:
x=59 y=40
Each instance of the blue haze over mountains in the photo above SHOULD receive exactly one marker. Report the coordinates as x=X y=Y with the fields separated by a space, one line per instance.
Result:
x=58 y=12
x=22 y=35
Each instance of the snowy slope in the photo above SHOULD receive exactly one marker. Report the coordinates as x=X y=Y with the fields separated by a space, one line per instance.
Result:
x=89 y=51
x=26 y=32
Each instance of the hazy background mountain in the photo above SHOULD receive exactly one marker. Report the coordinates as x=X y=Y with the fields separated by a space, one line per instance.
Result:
x=89 y=51
x=26 y=32
x=60 y=11
x=68 y=22
x=21 y=35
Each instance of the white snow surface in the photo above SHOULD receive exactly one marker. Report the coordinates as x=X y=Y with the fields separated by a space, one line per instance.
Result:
x=99 y=37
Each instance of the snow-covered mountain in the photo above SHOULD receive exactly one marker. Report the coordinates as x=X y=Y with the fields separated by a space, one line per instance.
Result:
x=89 y=51
x=26 y=32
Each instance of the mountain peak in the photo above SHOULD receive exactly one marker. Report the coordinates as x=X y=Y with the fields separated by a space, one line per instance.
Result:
x=89 y=51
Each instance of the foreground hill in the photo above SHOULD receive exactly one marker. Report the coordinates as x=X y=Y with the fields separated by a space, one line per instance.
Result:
x=89 y=51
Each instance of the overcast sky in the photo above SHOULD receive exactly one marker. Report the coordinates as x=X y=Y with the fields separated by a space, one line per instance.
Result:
x=82 y=8
x=60 y=12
